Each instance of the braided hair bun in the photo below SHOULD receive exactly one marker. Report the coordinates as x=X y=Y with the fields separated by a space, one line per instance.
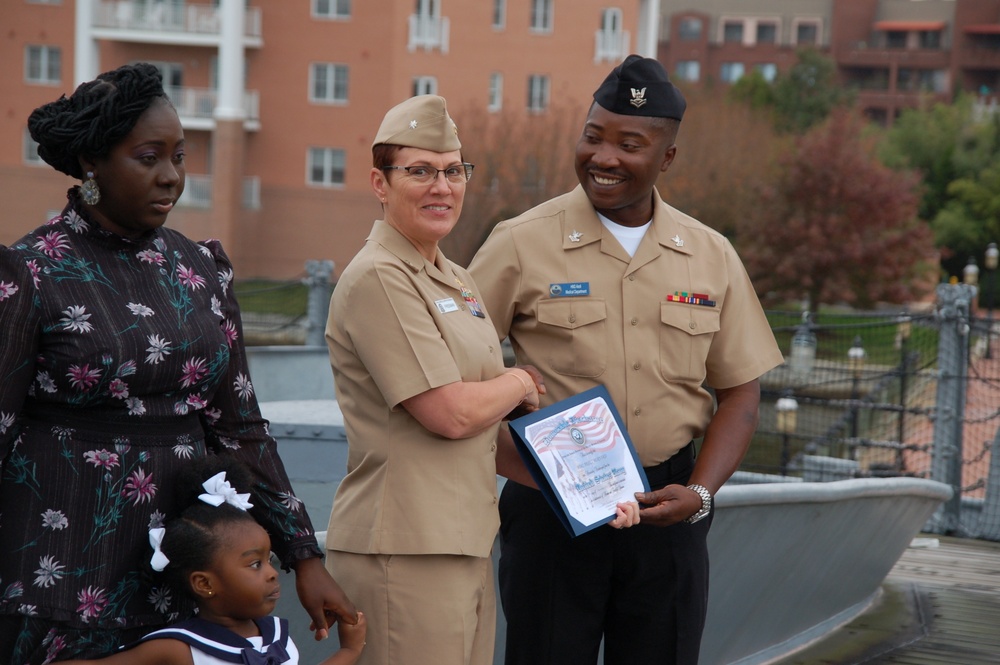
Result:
x=98 y=115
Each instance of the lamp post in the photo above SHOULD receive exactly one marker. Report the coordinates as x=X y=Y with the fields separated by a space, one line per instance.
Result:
x=904 y=330
x=855 y=362
x=803 y=355
x=786 y=408
x=992 y=257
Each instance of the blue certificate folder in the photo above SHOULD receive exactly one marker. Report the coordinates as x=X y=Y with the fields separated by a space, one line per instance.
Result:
x=581 y=457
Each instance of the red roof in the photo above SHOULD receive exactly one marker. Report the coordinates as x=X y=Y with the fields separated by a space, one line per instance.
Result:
x=909 y=26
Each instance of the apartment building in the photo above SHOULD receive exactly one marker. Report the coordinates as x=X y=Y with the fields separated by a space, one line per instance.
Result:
x=280 y=100
x=896 y=54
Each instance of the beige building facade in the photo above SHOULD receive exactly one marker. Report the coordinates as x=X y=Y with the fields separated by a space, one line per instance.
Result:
x=280 y=100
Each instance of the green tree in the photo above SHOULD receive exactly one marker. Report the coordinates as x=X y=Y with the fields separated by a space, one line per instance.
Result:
x=837 y=225
x=806 y=94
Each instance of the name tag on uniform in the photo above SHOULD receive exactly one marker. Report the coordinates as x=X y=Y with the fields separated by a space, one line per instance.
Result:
x=446 y=305
x=569 y=289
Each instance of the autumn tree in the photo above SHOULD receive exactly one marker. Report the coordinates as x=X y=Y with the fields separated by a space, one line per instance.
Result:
x=725 y=152
x=521 y=161
x=837 y=225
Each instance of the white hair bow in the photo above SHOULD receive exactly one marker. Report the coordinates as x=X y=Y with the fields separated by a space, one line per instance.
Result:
x=219 y=491
x=159 y=560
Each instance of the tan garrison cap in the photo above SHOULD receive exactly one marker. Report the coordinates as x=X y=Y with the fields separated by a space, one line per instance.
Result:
x=419 y=122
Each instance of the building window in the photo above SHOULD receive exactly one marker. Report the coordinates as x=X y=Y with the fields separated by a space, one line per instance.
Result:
x=688 y=70
x=30 y=150
x=42 y=64
x=336 y=9
x=499 y=14
x=767 y=33
x=541 y=15
x=496 y=91
x=767 y=70
x=44 y=2
x=929 y=39
x=538 y=93
x=328 y=83
x=425 y=85
x=689 y=29
x=807 y=33
x=611 y=42
x=326 y=167
x=895 y=39
x=732 y=32
x=730 y=72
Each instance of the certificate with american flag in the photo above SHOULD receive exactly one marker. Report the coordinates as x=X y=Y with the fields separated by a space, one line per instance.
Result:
x=581 y=458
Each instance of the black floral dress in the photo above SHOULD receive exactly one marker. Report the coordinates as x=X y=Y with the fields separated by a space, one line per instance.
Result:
x=120 y=361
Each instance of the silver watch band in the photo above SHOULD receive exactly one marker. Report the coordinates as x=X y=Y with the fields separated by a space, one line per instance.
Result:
x=706 y=503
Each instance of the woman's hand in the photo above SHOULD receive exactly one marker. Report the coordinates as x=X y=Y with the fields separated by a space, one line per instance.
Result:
x=626 y=515
x=321 y=597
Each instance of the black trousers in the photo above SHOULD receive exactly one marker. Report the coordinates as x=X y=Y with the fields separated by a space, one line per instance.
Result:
x=644 y=590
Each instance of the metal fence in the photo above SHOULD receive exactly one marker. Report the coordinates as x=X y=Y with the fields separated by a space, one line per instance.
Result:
x=889 y=394
x=861 y=394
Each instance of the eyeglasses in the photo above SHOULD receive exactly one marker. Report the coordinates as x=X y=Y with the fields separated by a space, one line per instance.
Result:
x=425 y=175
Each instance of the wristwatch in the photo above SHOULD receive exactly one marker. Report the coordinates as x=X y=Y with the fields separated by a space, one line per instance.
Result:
x=706 y=504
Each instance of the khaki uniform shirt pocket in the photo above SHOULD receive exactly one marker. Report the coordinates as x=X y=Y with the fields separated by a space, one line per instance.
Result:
x=577 y=335
x=685 y=339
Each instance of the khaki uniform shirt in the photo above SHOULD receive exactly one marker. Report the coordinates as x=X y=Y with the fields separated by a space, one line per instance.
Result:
x=399 y=326
x=583 y=312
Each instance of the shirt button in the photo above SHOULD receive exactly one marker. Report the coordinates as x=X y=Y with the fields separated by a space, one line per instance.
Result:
x=493 y=448
x=631 y=278
x=637 y=365
x=572 y=318
x=692 y=325
x=635 y=322
x=637 y=411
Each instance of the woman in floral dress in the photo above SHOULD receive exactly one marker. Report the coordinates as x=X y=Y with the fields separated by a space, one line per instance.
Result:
x=121 y=360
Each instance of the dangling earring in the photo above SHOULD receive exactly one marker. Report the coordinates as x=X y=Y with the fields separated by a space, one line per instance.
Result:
x=90 y=191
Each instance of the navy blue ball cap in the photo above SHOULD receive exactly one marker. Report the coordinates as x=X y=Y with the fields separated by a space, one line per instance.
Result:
x=639 y=86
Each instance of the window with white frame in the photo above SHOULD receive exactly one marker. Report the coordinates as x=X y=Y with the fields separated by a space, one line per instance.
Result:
x=328 y=83
x=807 y=32
x=767 y=32
x=767 y=70
x=499 y=14
x=538 y=92
x=30 y=150
x=541 y=15
x=42 y=64
x=730 y=72
x=335 y=9
x=611 y=39
x=425 y=85
x=325 y=167
x=428 y=9
x=688 y=70
x=496 y=92
x=732 y=32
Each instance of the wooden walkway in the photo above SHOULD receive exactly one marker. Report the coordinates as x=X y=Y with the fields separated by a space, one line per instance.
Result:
x=940 y=605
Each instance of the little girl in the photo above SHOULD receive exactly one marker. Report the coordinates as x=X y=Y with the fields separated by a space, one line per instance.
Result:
x=216 y=552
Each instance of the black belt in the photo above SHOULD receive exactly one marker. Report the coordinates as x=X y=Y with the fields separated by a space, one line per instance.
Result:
x=682 y=460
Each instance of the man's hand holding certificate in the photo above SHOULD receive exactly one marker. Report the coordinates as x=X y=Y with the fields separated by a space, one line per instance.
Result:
x=581 y=458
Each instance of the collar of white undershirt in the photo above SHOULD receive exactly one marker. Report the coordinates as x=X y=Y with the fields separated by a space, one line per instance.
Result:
x=628 y=237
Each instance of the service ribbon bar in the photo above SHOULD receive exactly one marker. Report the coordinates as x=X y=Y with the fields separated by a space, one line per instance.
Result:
x=691 y=298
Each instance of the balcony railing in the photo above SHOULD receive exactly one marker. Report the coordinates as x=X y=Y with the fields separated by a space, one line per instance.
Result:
x=610 y=46
x=200 y=103
x=428 y=33
x=168 y=16
x=198 y=192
